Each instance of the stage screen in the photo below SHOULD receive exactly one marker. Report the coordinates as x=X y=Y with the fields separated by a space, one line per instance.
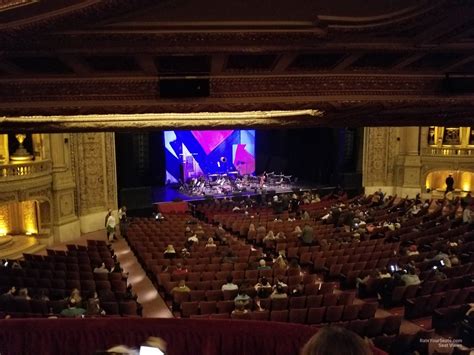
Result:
x=190 y=154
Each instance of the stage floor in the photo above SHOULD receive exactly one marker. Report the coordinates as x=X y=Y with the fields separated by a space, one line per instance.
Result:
x=171 y=193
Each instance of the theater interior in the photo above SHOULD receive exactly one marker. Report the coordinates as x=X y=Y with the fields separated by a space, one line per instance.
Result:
x=230 y=120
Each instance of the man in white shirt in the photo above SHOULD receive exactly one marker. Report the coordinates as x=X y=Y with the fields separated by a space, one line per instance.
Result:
x=110 y=226
x=229 y=286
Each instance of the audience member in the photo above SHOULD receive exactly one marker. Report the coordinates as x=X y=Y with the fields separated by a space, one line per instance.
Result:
x=93 y=306
x=101 y=269
x=181 y=287
x=332 y=340
x=75 y=296
x=169 y=253
x=180 y=272
x=308 y=235
x=210 y=244
x=242 y=298
x=411 y=278
x=240 y=312
x=263 y=288
x=73 y=310
x=23 y=294
x=279 y=292
x=262 y=265
x=230 y=285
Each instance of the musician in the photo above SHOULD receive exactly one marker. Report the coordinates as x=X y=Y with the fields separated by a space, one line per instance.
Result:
x=262 y=179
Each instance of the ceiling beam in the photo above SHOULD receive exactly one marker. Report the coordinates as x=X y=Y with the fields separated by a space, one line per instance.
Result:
x=284 y=62
x=10 y=68
x=147 y=63
x=217 y=63
x=407 y=61
x=459 y=63
x=346 y=62
x=76 y=64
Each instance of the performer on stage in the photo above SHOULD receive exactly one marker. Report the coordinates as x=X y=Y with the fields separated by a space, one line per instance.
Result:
x=262 y=179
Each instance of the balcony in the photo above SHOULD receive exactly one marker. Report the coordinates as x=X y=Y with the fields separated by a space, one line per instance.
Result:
x=448 y=152
x=24 y=170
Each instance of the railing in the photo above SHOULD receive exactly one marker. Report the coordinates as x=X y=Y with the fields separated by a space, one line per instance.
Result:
x=448 y=151
x=25 y=169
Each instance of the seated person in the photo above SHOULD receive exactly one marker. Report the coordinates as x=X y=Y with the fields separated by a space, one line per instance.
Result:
x=262 y=265
x=101 y=269
x=72 y=310
x=242 y=298
x=240 y=312
x=280 y=236
x=336 y=340
x=93 y=306
x=269 y=237
x=180 y=272
x=230 y=285
x=8 y=295
x=185 y=253
x=308 y=235
x=76 y=296
x=181 y=287
x=210 y=243
x=413 y=250
x=279 y=282
x=280 y=263
x=298 y=290
x=411 y=278
x=193 y=238
x=23 y=294
x=279 y=292
x=169 y=253
x=263 y=288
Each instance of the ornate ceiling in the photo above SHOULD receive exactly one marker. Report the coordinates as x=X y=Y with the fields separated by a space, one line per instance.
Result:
x=377 y=62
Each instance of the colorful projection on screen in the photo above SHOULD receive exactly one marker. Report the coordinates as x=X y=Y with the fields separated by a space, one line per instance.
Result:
x=190 y=154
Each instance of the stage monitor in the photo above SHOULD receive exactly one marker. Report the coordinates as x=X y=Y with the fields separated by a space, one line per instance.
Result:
x=191 y=154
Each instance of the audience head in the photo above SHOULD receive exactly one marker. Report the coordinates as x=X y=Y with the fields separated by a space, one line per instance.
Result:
x=229 y=279
x=23 y=292
x=280 y=289
x=336 y=340
x=262 y=263
x=181 y=283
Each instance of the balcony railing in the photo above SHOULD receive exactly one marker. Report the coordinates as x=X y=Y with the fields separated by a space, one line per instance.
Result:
x=24 y=169
x=449 y=151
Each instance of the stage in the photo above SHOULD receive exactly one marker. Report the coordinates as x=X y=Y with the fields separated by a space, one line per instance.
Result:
x=171 y=193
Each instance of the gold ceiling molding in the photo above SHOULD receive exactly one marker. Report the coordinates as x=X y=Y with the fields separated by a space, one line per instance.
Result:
x=160 y=120
x=7 y=4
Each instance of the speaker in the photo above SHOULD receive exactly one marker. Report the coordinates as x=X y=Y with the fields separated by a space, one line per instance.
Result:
x=182 y=88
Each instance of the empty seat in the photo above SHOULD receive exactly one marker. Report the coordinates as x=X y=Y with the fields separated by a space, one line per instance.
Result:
x=279 y=316
x=298 y=315
x=316 y=315
x=189 y=308
x=334 y=313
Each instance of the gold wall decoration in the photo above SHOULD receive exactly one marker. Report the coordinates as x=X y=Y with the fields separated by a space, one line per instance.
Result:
x=5 y=220
x=30 y=221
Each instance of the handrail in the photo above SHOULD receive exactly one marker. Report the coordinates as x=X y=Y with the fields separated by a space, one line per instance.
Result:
x=25 y=169
x=448 y=151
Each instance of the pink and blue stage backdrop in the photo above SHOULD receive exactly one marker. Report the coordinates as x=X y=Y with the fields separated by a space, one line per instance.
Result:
x=190 y=154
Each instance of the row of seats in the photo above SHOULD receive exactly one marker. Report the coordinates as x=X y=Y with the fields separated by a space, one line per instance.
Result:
x=425 y=305
x=316 y=316
x=312 y=301
x=19 y=308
